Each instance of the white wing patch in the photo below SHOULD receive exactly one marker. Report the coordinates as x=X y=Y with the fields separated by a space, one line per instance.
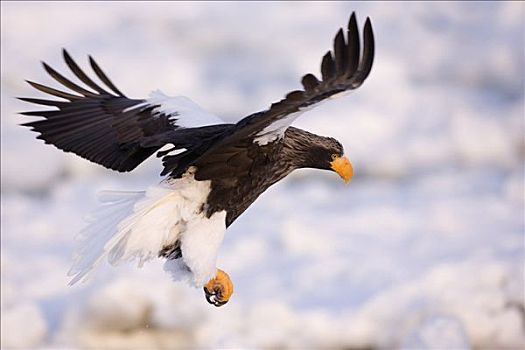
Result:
x=275 y=130
x=173 y=150
x=137 y=225
x=183 y=112
x=141 y=106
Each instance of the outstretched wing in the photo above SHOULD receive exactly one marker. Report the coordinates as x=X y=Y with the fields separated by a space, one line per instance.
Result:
x=104 y=126
x=343 y=69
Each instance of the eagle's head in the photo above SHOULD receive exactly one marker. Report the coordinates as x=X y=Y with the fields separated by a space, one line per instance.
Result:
x=318 y=152
x=328 y=153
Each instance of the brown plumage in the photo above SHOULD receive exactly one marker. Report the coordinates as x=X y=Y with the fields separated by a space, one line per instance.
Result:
x=241 y=160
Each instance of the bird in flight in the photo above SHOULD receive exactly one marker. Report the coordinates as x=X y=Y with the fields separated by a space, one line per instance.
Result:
x=213 y=171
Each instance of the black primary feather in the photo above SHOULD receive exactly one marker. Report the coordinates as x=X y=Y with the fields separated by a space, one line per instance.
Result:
x=99 y=123
x=337 y=77
x=103 y=126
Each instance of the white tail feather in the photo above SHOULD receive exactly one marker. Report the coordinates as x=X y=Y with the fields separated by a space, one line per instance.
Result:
x=116 y=206
x=126 y=226
x=137 y=225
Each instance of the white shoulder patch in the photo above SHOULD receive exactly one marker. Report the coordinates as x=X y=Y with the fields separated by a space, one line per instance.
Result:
x=137 y=225
x=276 y=130
x=183 y=112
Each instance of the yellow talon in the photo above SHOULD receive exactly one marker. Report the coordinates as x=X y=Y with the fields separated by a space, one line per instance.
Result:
x=219 y=289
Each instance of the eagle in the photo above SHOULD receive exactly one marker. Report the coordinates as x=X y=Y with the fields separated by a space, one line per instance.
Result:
x=212 y=170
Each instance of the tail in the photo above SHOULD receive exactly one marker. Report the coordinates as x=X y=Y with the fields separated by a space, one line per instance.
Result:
x=126 y=226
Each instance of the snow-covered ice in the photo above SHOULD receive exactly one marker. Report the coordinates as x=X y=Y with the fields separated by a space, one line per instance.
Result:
x=424 y=248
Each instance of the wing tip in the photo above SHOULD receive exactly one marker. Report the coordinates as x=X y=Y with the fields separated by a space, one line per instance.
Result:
x=24 y=99
x=45 y=65
x=64 y=52
x=368 y=24
x=352 y=22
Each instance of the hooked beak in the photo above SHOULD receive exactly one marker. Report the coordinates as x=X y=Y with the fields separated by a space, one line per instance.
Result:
x=342 y=166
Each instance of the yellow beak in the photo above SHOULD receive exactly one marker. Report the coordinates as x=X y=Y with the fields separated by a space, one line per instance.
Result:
x=342 y=166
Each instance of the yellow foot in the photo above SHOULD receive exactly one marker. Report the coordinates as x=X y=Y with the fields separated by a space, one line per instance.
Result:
x=219 y=289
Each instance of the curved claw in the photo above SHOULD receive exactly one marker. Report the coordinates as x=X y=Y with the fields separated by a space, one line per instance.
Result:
x=215 y=297
x=210 y=298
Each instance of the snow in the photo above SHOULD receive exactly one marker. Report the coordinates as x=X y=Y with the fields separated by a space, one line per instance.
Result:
x=424 y=249
x=31 y=334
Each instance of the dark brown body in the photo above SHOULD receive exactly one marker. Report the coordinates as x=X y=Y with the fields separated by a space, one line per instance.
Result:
x=265 y=166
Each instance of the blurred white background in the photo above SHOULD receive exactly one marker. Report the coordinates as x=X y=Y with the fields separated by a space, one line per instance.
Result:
x=424 y=249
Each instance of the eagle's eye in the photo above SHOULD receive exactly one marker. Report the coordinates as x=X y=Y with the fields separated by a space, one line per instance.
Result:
x=334 y=156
